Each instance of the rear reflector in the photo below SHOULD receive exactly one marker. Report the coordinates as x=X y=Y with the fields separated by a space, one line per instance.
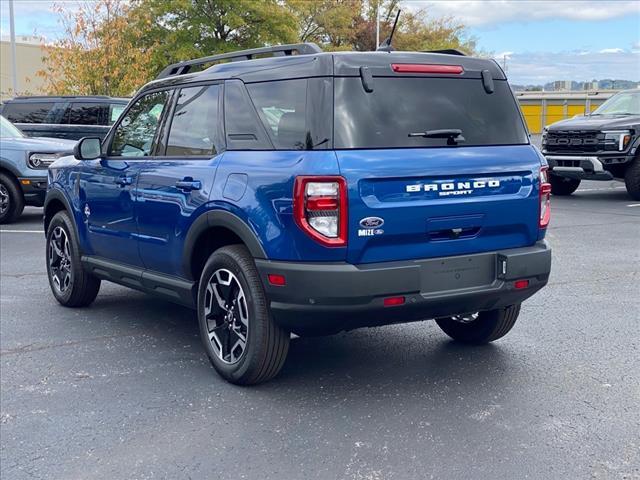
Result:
x=277 y=280
x=393 y=301
x=520 y=284
x=422 y=68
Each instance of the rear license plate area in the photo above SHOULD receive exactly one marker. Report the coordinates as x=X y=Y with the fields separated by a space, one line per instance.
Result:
x=456 y=273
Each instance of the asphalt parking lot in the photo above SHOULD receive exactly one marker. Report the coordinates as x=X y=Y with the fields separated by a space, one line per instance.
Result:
x=123 y=389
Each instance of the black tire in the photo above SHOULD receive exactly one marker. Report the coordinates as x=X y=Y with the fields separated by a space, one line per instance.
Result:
x=82 y=287
x=11 y=199
x=632 y=179
x=483 y=327
x=266 y=344
x=563 y=186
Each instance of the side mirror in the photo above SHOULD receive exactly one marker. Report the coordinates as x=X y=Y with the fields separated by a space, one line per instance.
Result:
x=88 y=148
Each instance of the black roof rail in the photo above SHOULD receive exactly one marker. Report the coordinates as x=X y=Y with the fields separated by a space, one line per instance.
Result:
x=447 y=51
x=181 y=68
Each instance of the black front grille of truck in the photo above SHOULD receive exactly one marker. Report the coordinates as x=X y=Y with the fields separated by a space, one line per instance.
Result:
x=583 y=141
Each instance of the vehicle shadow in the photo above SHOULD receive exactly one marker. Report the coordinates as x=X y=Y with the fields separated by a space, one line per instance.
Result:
x=414 y=357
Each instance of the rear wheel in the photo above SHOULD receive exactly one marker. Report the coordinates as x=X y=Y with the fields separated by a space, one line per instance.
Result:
x=632 y=179
x=241 y=339
x=563 y=185
x=11 y=199
x=71 y=285
x=481 y=327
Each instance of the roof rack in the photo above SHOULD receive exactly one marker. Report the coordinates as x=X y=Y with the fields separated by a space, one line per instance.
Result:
x=184 y=67
x=447 y=51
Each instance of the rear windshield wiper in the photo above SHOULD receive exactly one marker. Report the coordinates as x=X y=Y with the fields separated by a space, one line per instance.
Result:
x=453 y=135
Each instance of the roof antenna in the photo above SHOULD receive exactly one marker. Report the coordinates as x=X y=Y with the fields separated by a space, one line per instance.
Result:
x=386 y=45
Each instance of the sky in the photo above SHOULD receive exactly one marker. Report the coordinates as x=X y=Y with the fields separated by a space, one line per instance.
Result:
x=541 y=41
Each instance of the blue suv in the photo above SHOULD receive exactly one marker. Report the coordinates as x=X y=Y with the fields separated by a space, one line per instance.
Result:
x=286 y=190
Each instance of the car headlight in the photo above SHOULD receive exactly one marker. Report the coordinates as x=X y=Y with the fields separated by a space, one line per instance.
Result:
x=617 y=139
x=43 y=160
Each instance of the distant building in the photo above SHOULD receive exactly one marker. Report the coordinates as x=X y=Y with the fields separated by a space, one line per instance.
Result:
x=590 y=85
x=29 y=55
x=561 y=85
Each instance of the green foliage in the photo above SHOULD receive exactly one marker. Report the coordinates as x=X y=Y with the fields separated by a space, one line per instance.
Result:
x=114 y=46
x=185 y=29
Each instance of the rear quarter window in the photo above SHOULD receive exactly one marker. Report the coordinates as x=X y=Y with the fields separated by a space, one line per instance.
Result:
x=397 y=107
x=28 y=112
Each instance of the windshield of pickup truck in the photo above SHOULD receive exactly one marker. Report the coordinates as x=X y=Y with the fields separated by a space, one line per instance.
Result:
x=399 y=109
x=623 y=103
x=9 y=130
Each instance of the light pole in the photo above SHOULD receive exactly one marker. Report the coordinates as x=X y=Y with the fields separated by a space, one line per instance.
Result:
x=377 y=23
x=12 y=32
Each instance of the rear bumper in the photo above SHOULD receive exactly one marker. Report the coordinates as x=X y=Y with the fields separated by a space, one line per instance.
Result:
x=34 y=190
x=325 y=298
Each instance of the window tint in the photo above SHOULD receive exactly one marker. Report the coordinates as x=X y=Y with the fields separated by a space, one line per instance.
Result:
x=135 y=133
x=244 y=130
x=195 y=122
x=86 y=114
x=115 y=110
x=397 y=107
x=32 y=112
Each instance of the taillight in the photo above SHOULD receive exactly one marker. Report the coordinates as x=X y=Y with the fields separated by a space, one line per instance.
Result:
x=320 y=209
x=545 y=197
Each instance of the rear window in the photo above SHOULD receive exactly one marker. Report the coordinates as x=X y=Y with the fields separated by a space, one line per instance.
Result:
x=32 y=112
x=398 y=107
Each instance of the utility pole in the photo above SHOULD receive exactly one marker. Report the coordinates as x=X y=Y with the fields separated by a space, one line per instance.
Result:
x=377 y=23
x=504 y=63
x=12 y=32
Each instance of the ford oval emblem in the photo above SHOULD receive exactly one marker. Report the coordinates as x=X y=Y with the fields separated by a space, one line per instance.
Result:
x=371 y=222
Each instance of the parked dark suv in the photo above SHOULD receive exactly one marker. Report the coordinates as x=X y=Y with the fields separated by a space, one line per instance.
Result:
x=604 y=145
x=309 y=192
x=63 y=117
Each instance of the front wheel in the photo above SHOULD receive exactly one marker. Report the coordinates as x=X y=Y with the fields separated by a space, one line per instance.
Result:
x=480 y=327
x=11 y=200
x=71 y=285
x=241 y=339
x=632 y=179
x=562 y=185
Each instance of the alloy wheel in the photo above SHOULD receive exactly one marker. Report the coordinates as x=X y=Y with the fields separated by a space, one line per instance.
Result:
x=226 y=316
x=4 y=199
x=59 y=254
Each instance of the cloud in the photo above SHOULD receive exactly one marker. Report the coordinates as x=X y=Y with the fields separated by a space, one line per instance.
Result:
x=611 y=50
x=476 y=13
x=535 y=68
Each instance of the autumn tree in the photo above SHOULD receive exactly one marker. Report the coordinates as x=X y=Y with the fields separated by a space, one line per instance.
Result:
x=351 y=24
x=98 y=53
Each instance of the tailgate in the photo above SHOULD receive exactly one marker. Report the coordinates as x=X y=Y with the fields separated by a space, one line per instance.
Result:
x=436 y=202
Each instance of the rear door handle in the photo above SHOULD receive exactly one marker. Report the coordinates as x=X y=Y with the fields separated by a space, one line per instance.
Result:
x=123 y=181
x=188 y=185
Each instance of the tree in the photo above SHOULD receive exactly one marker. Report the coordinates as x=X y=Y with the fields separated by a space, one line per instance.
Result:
x=184 y=29
x=351 y=24
x=98 y=53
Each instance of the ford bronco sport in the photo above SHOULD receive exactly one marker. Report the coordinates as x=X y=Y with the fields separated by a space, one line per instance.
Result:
x=309 y=192
x=603 y=145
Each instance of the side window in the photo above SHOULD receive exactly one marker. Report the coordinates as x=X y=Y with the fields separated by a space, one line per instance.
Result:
x=195 y=122
x=282 y=109
x=135 y=134
x=85 y=114
x=28 y=112
x=115 y=110
x=243 y=128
